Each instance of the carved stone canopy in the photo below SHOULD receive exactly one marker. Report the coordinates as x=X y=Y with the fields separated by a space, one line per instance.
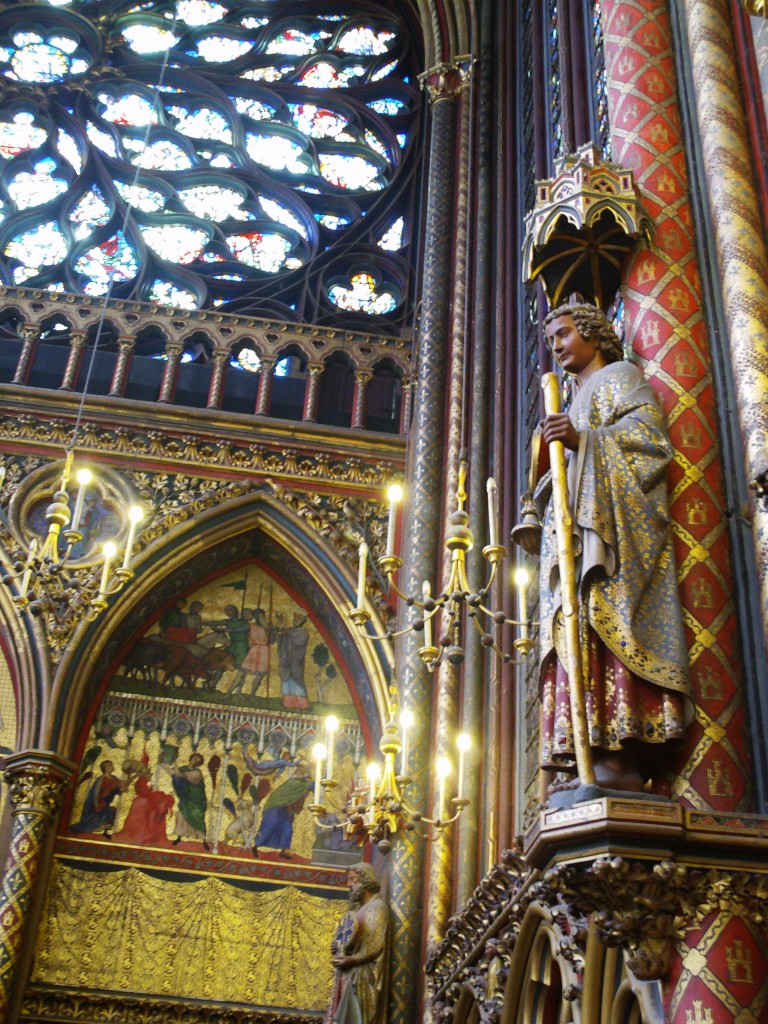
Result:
x=585 y=221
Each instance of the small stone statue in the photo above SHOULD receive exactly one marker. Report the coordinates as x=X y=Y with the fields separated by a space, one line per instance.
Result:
x=359 y=953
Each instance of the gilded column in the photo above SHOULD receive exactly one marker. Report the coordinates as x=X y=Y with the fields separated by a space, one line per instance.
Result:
x=446 y=715
x=264 y=394
x=76 y=346
x=423 y=489
x=31 y=334
x=665 y=322
x=173 y=350
x=220 y=360
x=740 y=240
x=359 y=400
x=312 y=393
x=37 y=781
x=124 y=350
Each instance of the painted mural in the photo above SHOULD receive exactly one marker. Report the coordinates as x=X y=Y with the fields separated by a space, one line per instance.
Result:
x=203 y=742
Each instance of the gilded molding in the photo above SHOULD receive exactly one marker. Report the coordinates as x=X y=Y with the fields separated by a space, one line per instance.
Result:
x=202 y=450
x=80 y=1005
x=757 y=8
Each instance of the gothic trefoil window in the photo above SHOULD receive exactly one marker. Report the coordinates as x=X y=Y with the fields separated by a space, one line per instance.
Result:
x=254 y=156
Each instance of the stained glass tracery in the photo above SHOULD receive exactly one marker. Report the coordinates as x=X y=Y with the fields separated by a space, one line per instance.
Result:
x=309 y=113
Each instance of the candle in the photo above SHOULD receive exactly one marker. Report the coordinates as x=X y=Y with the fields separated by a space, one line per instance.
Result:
x=521 y=582
x=110 y=551
x=318 y=752
x=443 y=766
x=373 y=772
x=463 y=742
x=84 y=477
x=331 y=725
x=426 y=593
x=395 y=494
x=135 y=515
x=363 y=552
x=406 y=721
x=493 y=536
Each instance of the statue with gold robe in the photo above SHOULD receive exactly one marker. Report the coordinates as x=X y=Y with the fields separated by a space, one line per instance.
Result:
x=632 y=648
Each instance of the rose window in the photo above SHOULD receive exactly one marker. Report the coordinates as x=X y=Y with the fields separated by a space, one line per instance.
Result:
x=203 y=153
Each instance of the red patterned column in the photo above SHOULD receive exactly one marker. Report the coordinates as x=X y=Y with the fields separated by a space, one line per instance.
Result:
x=664 y=319
x=37 y=781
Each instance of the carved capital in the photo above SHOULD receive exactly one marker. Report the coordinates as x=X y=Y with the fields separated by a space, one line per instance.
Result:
x=646 y=907
x=37 y=781
x=446 y=81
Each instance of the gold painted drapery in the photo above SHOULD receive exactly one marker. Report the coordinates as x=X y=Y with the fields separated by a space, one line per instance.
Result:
x=127 y=931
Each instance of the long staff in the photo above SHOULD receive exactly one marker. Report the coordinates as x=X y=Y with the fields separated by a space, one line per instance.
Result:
x=568 y=589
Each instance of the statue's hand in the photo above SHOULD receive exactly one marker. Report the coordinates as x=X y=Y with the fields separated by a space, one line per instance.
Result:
x=558 y=427
x=343 y=963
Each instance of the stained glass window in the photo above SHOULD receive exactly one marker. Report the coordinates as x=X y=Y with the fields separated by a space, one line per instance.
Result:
x=166 y=154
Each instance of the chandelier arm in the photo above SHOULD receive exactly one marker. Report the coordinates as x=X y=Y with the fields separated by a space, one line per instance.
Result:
x=384 y=636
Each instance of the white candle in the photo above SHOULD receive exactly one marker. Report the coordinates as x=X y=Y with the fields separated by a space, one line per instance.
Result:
x=363 y=552
x=521 y=582
x=110 y=551
x=318 y=753
x=395 y=494
x=331 y=725
x=463 y=743
x=426 y=593
x=493 y=536
x=135 y=515
x=84 y=477
x=406 y=721
x=373 y=772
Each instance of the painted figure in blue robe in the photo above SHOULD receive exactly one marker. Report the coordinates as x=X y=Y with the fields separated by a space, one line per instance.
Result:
x=282 y=806
x=99 y=810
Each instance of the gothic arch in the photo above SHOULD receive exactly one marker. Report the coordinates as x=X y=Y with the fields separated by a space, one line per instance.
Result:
x=237 y=528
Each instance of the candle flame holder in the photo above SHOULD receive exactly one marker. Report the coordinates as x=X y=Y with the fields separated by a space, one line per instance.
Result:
x=383 y=812
x=457 y=601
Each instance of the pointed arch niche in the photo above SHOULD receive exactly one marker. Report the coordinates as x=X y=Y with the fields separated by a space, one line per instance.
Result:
x=235 y=650
x=193 y=707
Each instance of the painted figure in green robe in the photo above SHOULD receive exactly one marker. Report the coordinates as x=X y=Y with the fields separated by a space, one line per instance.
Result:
x=189 y=786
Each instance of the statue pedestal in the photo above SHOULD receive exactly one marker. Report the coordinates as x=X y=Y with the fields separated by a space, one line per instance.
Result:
x=650 y=874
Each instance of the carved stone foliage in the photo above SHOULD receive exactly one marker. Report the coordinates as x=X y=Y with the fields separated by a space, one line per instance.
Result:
x=35 y=789
x=478 y=943
x=172 y=499
x=652 y=905
x=198 y=450
x=85 y=1007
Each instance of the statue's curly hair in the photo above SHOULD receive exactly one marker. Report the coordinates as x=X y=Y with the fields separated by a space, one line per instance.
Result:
x=593 y=325
x=367 y=877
